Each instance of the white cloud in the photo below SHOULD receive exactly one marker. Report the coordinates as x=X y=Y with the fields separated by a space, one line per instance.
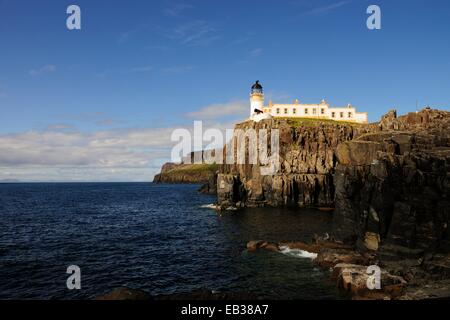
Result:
x=255 y=52
x=238 y=109
x=327 y=8
x=60 y=152
x=48 y=68
x=194 y=33
x=176 y=9
x=142 y=69
x=60 y=127
x=122 y=148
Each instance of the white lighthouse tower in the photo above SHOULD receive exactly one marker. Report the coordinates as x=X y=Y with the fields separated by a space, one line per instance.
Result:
x=256 y=99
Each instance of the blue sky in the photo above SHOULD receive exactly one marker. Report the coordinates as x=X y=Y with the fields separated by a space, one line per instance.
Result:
x=100 y=103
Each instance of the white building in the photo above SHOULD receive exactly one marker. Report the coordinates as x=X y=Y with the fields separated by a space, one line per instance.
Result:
x=259 y=111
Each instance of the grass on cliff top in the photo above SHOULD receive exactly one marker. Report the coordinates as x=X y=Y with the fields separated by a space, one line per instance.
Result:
x=312 y=122
x=200 y=168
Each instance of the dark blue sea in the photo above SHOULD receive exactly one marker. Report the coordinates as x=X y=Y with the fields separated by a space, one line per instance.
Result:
x=159 y=238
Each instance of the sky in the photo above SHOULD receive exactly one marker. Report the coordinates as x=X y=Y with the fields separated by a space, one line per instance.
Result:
x=100 y=103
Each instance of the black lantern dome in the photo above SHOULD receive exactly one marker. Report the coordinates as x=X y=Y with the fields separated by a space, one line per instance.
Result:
x=257 y=88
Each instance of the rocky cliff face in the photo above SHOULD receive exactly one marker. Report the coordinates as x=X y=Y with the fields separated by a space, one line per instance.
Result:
x=308 y=162
x=389 y=182
x=393 y=185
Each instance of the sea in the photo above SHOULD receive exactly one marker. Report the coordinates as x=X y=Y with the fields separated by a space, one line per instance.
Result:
x=160 y=238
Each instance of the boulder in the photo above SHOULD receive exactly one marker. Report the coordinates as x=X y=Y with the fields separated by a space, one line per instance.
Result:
x=355 y=280
x=259 y=244
x=254 y=245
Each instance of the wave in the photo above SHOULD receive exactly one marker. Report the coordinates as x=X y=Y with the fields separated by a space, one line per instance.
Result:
x=216 y=207
x=298 y=253
x=209 y=206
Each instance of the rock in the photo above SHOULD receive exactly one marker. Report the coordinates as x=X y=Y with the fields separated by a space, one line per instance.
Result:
x=392 y=187
x=330 y=257
x=354 y=279
x=229 y=190
x=389 y=252
x=372 y=240
x=357 y=153
x=433 y=290
x=271 y=246
x=211 y=186
x=389 y=183
x=307 y=162
x=438 y=266
x=409 y=269
x=259 y=244
x=254 y=245
x=389 y=121
x=326 y=209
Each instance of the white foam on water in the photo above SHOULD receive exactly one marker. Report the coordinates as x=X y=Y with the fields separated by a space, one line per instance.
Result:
x=298 y=253
x=209 y=206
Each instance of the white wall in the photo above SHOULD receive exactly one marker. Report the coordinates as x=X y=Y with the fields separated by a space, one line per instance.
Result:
x=256 y=102
x=348 y=114
x=362 y=117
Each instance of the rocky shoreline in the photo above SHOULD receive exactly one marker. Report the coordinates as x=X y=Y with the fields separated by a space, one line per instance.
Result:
x=348 y=268
x=408 y=277
x=388 y=184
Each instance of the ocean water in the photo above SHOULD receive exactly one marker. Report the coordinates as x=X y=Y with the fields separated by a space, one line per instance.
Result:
x=159 y=238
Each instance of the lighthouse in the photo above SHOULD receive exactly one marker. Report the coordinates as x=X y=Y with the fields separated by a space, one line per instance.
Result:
x=256 y=98
x=322 y=110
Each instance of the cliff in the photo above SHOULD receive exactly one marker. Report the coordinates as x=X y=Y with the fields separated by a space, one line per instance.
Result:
x=186 y=173
x=389 y=182
x=390 y=185
x=308 y=162
x=393 y=185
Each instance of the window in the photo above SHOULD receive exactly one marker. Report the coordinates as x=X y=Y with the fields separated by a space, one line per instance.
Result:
x=322 y=111
x=314 y=111
x=306 y=111
x=333 y=114
x=294 y=111
x=285 y=111
x=341 y=114
x=278 y=110
x=350 y=115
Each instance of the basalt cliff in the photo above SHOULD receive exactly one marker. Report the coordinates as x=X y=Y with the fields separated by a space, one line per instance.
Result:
x=307 y=150
x=381 y=178
x=389 y=185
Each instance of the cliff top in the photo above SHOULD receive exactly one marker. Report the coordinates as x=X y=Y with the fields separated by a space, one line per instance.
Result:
x=186 y=173
x=305 y=122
